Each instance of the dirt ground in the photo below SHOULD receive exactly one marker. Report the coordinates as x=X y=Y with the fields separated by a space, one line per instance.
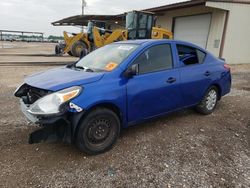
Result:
x=33 y=52
x=183 y=149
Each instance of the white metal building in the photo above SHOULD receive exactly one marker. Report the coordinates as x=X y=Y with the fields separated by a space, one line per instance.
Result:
x=220 y=26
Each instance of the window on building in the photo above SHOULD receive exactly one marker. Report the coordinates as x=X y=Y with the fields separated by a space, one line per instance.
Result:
x=155 y=58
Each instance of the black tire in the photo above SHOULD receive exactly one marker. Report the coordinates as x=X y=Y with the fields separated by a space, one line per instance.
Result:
x=83 y=53
x=57 y=49
x=98 y=131
x=77 y=48
x=69 y=52
x=209 y=101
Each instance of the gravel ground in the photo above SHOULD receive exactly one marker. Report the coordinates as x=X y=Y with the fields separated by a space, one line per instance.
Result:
x=183 y=149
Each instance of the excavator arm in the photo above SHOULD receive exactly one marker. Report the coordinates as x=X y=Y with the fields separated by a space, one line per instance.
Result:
x=160 y=33
x=102 y=40
x=70 y=40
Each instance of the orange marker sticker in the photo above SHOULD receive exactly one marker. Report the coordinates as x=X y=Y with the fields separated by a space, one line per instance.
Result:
x=110 y=66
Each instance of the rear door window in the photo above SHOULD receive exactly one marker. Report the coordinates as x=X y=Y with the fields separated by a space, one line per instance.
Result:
x=190 y=55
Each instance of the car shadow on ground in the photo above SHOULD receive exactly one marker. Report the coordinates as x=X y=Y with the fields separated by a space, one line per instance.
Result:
x=170 y=123
x=128 y=135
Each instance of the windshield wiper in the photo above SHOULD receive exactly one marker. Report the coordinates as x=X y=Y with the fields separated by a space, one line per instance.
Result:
x=86 y=69
x=79 y=67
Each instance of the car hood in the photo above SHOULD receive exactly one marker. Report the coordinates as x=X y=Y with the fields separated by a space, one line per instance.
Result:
x=61 y=78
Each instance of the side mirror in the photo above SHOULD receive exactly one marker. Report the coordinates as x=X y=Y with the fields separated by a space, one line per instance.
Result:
x=131 y=71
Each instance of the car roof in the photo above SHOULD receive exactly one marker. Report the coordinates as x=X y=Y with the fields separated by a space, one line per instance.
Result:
x=156 y=41
x=141 y=41
x=159 y=41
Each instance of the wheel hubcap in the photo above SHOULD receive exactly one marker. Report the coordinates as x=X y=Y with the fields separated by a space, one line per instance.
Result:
x=99 y=131
x=211 y=99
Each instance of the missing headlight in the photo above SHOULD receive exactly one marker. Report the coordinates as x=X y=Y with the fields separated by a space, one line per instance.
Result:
x=30 y=94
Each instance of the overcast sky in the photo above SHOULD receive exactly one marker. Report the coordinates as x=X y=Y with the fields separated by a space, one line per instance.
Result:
x=37 y=15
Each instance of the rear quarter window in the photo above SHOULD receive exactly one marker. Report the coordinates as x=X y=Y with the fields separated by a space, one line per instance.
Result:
x=201 y=55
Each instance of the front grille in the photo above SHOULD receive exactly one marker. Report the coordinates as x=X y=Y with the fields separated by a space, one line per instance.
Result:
x=31 y=94
x=34 y=94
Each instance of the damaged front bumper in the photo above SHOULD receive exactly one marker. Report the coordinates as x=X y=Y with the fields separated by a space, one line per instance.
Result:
x=28 y=115
x=57 y=126
x=53 y=128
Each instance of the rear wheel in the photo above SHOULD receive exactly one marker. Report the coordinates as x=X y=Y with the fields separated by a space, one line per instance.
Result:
x=98 y=131
x=209 y=101
x=69 y=52
x=57 y=49
x=77 y=48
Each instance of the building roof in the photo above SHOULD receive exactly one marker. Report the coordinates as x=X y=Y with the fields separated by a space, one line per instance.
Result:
x=191 y=3
x=177 y=5
x=83 y=19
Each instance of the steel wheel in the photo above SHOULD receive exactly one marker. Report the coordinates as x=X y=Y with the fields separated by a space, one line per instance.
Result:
x=98 y=131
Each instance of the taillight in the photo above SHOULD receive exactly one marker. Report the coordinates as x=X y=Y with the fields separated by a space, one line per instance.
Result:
x=226 y=66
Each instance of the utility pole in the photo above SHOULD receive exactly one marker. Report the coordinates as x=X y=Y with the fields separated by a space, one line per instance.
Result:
x=84 y=4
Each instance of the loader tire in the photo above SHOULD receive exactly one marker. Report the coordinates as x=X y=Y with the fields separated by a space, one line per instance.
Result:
x=69 y=52
x=77 y=48
x=57 y=49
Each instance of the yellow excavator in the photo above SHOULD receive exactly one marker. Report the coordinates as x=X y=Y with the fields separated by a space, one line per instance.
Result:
x=139 y=25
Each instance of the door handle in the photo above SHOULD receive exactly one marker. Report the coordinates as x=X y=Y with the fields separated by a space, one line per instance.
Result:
x=207 y=73
x=171 y=80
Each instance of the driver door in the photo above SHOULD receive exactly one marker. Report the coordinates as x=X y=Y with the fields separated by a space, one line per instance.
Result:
x=155 y=90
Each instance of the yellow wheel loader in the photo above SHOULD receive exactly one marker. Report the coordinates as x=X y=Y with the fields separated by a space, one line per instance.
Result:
x=139 y=25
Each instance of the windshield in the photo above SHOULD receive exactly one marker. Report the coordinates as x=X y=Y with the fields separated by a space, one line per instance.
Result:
x=106 y=58
x=90 y=27
x=131 y=18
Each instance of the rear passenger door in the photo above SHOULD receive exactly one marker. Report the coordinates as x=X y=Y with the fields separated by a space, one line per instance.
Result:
x=155 y=90
x=195 y=74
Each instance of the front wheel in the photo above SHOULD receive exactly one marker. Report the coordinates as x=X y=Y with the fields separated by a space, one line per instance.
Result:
x=58 y=50
x=77 y=48
x=70 y=53
x=209 y=101
x=98 y=131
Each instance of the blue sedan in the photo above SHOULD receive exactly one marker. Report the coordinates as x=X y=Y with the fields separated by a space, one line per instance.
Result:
x=120 y=85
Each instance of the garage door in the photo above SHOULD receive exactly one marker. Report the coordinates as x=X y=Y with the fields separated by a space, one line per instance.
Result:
x=193 y=29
